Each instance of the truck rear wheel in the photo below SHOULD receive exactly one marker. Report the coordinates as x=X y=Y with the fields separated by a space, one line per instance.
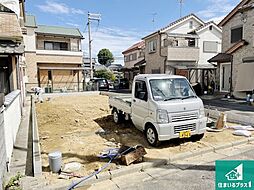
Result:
x=152 y=136
x=117 y=116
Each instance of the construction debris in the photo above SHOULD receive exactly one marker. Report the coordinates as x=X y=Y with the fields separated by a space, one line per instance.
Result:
x=71 y=167
x=134 y=154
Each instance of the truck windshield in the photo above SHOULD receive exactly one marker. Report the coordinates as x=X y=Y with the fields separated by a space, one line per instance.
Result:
x=169 y=89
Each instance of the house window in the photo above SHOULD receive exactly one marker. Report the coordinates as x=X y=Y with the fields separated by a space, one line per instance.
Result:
x=152 y=45
x=56 y=46
x=156 y=71
x=210 y=27
x=236 y=34
x=191 y=24
x=134 y=56
x=191 y=42
x=131 y=57
x=210 y=47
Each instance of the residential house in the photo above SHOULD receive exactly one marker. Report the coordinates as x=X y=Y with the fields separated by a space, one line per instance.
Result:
x=183 y=47
x=53 y=56
x=87 y=67
x=11 y=51
x=134 y=60
x=236 y=61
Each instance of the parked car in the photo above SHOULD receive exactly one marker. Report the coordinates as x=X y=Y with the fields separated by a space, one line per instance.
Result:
x=163 y=107
x=121 y=84
x=100 y=84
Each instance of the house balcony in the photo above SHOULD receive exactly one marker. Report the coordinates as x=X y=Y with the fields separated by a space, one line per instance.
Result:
x=59 y=52
x=182 y=47
x=58 y=56
x=183 y=54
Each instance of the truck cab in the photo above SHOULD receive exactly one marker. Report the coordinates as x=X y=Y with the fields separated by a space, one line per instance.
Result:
x=165 y=107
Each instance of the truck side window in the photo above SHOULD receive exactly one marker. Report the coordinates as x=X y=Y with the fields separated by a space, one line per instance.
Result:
x=140 y=90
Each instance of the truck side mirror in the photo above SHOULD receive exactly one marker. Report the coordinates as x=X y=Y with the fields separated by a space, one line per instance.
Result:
x=1 y=99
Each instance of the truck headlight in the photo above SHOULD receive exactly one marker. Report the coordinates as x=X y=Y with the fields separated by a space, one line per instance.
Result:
x=201 y=112
x=162 y=116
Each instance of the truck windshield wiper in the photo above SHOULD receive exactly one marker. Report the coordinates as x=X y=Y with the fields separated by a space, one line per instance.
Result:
x=187 y=97
x=174 y=98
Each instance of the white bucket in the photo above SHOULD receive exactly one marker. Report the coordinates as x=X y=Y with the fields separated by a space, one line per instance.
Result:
x=55 y=161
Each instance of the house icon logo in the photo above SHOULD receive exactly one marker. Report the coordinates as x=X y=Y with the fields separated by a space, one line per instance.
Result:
x=235 y=174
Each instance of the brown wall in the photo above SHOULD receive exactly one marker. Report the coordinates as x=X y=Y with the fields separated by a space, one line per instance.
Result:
x=153 y=60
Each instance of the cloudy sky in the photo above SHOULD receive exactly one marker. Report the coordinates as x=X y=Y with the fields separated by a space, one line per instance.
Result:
x=123 y=22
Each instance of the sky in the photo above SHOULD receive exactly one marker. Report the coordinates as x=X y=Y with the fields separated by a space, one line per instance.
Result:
x=123 y=22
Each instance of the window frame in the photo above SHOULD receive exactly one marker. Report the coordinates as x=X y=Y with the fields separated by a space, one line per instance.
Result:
x=207 y=51
x=231 y=34
x=136 y=93
x=152 y=46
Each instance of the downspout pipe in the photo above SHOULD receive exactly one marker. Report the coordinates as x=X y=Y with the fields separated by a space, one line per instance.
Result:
x=231 y=76
x=165 y=57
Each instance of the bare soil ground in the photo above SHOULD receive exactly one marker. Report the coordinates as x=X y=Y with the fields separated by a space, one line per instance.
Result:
x=72 y=125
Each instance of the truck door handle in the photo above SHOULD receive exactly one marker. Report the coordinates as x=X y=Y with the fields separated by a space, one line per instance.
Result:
x=134 y=100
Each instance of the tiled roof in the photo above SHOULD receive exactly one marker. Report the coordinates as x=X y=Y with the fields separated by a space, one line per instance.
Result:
x=221 y=58
x=30 y=21
x=233 y=12
x=236 y=46
x=175 y=22
x=9 y=27
x=136 y=46
x=57 y=30
x=10 y=47
x=205 y=25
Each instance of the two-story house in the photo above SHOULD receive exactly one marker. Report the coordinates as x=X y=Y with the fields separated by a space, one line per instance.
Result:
x=236 y=61
x=134 y=60
x=183 y=47
x=11 y=99
x=53 y=56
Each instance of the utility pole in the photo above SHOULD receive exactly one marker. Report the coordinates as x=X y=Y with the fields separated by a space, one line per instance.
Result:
x=181 y=7
x=96 y=17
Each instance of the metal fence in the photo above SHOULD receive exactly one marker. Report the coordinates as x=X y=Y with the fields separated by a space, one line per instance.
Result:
x=59 y=87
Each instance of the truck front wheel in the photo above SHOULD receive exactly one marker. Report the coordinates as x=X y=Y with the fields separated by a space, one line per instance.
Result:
x=198 y=137
x=117 y=116
x=152 y=136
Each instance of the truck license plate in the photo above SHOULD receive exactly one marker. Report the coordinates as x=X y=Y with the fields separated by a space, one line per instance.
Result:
x=185 y=134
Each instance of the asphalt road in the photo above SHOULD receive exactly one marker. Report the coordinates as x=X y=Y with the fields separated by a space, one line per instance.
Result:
x=223 y=105
x=197 y=173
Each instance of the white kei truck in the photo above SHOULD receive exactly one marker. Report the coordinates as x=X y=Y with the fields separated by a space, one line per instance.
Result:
x=163 y=106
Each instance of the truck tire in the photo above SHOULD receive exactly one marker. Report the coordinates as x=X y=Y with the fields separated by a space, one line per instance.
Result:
x=152 y=136
x=197 y=137
x=117 y=116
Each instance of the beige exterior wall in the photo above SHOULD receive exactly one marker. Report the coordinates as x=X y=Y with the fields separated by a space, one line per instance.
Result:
x=130 y=64
x=154 y=60
x=61 y=78
x=245 y=51
x=31 y=67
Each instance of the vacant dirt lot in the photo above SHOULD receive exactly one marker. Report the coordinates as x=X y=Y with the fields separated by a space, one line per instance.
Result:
x=73 y=125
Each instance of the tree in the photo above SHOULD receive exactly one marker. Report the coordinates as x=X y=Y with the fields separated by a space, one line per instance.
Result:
x=105 y=56
x=106 y=74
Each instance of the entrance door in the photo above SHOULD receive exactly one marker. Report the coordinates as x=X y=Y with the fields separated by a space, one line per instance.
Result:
x=139 y=104
x=225 y=77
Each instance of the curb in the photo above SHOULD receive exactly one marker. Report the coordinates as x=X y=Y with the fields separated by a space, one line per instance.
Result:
x=109 y=175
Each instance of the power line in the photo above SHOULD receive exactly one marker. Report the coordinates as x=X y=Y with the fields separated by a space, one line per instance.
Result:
x=91 y=17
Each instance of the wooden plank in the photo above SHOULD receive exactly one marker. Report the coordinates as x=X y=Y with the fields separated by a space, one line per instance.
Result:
x=133 y=156
x=1 y=99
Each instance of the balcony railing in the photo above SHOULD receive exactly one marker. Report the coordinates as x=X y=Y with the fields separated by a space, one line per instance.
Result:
x=58 y=52
x=183 y=54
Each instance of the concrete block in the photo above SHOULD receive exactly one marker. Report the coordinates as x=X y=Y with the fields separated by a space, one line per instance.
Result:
x=223 y=146
x=240 y=142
